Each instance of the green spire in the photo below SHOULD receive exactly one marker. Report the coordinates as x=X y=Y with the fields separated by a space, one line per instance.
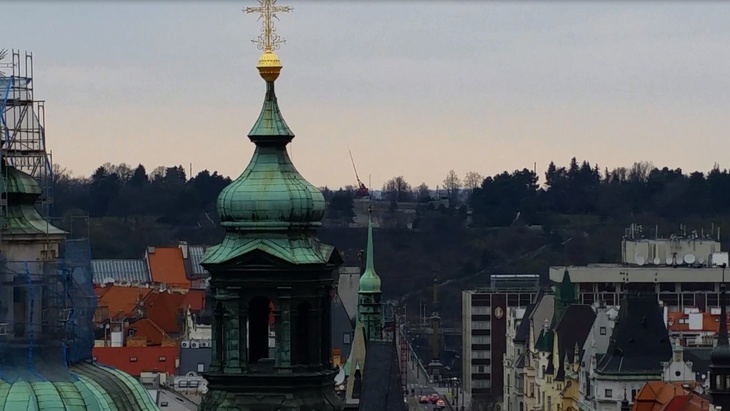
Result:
x=270 y=122
x=565 y=296
x=370 y=282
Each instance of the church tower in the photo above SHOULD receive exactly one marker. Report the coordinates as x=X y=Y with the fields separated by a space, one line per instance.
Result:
x=369 y=306
x=720 y=358
x=271 y=278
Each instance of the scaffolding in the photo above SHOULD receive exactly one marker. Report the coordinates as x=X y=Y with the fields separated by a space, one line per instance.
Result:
x=22 y=129
x=46 y=310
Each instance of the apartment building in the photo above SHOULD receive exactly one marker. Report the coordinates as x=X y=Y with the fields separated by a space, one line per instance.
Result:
x=484 y=328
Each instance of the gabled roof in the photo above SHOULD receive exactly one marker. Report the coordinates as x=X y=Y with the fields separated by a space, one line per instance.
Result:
x=122 y=300
x=381 y=383
x=148 y=329
x=571 y=332
x=120 y=270
x=640 y=341
x=667 y=396
x=167 y=266
x=164 y=308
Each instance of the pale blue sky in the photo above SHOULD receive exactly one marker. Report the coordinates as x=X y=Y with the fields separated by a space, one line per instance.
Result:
x=414 y=88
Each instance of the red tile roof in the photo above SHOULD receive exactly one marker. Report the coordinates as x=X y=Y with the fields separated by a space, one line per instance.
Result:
x=148 y=329
x=164 y=308
x=135 y=360
x=665 y=396
x=167 y=266
x=121 y=301
x=195 y=299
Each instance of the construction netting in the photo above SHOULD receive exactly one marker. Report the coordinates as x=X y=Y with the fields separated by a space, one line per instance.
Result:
x=46 y=310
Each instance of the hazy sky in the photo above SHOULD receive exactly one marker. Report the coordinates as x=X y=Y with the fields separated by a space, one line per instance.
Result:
x=413 y=88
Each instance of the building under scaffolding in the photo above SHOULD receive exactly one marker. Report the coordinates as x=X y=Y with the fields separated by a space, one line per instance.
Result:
x=46 y=297
x=23 y=126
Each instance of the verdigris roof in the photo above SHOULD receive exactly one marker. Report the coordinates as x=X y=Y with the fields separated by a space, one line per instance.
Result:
x=301 y=250
x=640 y=341
x=86 y=387
x=370 y=281
x=22 y=218
x=270 y=192
x=119 y=270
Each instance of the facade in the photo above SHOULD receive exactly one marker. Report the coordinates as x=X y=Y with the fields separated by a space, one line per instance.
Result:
x=535 y=361
x=636 y=352
x=685 y=273
x=720 y=360
x=594 y=347
x=514 y=349
x=484 y=328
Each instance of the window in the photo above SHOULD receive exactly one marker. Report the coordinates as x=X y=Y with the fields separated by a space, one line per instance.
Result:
x=480 y=354
x=183 y=384
x=480 y=310
x=201 y=367
x=132 y=359
x=347 y=338
x=481 y=339
x=608 y=393
x=633 y=394
x=131 y=332
x=602 y=330
x=163 y=404
x=480 y=325
x=163 y=358
x=478 y=369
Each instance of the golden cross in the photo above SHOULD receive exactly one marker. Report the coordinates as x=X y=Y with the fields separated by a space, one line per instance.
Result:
x=268 y=39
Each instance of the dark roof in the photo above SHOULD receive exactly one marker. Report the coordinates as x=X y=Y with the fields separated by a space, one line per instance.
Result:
x=700 y=358
x=381 y=383
x=640 y=342
x=523 y=331
x=520 y=362
x=572 y=331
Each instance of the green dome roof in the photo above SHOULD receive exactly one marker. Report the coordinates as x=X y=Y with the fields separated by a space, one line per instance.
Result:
x=370 y=281
x=270 y=193
x=89 y=387
x=18 y=182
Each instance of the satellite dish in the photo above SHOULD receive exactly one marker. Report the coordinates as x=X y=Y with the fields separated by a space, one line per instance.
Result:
x=701 y=260
x=669 y=260
x=657 y=260
x=639 y=260
x=689 y=258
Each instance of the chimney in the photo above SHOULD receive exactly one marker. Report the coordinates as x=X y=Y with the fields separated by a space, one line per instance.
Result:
x=183 y=245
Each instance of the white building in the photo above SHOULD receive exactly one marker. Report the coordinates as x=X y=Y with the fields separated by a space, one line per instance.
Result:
x=595 y=344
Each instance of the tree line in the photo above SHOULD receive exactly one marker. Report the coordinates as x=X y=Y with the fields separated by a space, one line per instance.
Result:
x=580 y=188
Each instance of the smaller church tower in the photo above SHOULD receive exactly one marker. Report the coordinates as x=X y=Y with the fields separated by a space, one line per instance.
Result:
x=720 y=358
x=369 y=296
x=369 y=322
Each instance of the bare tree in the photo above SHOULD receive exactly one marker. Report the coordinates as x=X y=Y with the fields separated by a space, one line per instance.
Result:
x=452 y=184
x=423 y=193
x=472 y=180
x=397 y=189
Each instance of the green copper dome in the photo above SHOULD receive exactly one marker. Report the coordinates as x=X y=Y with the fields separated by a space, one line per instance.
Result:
x=22 y=217
x=270 y=193
x=370 y=281
x=83 y=387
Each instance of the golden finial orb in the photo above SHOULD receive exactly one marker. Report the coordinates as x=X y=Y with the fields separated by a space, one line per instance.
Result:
x=269 y=66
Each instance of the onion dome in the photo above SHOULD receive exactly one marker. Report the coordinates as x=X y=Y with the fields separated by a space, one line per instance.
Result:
x=22 y=217
x=370 y=281
x=270 y=194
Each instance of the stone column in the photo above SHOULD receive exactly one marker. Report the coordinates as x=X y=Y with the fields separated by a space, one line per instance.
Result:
x=243 y=334
x=326 y=329
x=232 y=363
x=282 y=318
x=315 y=333
x=217 y=343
